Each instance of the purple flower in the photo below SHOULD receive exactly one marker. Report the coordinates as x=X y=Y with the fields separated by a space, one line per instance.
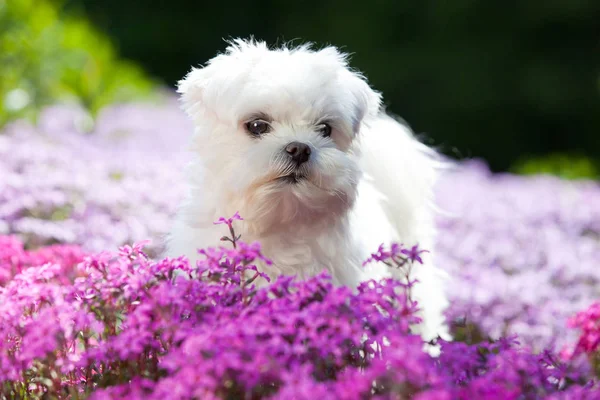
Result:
x=119 y=326
x=522 y=256
x=414 y=253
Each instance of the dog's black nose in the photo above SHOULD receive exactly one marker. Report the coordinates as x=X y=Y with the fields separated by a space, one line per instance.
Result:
x=299 y=152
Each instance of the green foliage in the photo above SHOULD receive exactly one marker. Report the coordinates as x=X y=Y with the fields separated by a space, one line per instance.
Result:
x=47 y=56
x=562 y=165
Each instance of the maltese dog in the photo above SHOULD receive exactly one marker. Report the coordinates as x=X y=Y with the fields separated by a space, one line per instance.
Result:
x=298 y=144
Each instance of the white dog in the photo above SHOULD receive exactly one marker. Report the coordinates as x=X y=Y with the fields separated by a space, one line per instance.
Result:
x=296 y=142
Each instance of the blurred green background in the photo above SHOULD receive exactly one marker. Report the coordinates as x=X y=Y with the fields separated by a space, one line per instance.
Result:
x=514 y=82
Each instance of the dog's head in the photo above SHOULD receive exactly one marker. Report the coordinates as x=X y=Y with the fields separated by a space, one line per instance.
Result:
x=277 y=127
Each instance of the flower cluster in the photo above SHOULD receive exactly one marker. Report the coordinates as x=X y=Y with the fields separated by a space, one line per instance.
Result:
x=14 y=258
x=587 y=322
x=109 y=326
x=119 y=183
x=522 y=253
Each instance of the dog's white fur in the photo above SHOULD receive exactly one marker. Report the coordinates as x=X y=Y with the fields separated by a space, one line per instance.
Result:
x=369 y=183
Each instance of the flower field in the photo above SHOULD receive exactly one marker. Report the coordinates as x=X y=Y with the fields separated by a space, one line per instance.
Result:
x=87 y=313
x=523 y=252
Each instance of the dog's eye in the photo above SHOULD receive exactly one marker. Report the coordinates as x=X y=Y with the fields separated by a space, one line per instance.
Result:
x=258 y=127
x=325 y=129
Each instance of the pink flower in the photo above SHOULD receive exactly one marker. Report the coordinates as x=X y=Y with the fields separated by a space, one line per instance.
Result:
x=588 y=322
x=229 y=221
x=135 y=250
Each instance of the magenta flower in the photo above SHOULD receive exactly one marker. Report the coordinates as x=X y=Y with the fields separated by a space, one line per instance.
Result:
x=135 y=250
x=588 y=323
x=397 y=254
x=229 y=221
x=122 y=325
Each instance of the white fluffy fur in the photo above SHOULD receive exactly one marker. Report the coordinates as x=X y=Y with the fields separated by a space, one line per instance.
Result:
x=369 y=183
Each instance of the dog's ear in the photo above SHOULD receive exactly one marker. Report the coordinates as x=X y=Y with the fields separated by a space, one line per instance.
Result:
x=191 y=88
x=364 y=101
x=201 y=87
x=206 y=88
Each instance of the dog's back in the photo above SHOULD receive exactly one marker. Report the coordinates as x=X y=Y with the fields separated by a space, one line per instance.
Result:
x=399 y=175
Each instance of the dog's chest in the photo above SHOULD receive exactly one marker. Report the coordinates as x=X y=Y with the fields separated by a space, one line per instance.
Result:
x=305 y=255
